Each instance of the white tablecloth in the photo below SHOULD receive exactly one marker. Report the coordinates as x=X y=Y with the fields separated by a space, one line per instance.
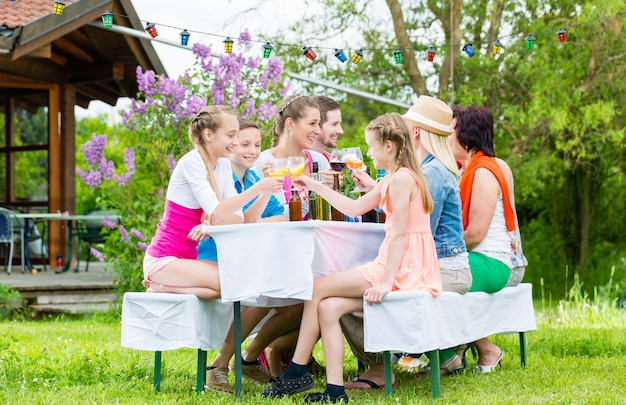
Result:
x=263 y=263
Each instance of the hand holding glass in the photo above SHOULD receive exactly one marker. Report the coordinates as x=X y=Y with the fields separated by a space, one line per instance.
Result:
x=295 y=165
x=278 y=168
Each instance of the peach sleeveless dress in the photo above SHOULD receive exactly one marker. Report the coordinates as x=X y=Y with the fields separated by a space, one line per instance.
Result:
x=419 y=269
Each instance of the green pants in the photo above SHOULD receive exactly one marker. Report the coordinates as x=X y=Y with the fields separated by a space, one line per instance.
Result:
x=488 y=275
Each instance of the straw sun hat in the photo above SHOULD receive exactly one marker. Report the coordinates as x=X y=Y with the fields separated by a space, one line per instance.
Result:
x=431 y=114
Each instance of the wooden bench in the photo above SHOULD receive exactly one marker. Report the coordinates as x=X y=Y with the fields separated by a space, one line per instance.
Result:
x=416 y=322
x=158 y=322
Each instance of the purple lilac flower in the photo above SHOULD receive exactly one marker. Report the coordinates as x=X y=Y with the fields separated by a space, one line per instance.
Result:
x=92 y=178
x=201 y=51
x=252 y=63
x=122 y=180
x=194 y=104
x=266 y=111
x=146 y=81
x=129 y=160
x=93 y=150
x=142 y=246
x=109 y=223
x=171 y=162
x=97 y=254
x=250 y=108
x=136 y=234
x=107 y=168
x=244 y=39
x=124 y=234
x=275 y=68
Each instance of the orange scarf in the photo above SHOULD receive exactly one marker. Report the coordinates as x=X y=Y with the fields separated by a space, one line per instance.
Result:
x=467 y=180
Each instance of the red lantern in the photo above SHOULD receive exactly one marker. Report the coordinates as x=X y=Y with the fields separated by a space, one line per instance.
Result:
x=431 y=54
x=151 y=30
x=309 y=53
x=562 y=35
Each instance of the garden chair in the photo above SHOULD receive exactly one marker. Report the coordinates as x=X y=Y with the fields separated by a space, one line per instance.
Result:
x=91 y=232
x=9 y=236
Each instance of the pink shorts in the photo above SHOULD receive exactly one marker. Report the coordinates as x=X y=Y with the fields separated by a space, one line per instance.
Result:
x=153 y=264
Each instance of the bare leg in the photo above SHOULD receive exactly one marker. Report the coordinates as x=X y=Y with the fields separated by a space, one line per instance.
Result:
x=284 y=320
x=347 y=283
x=274 y=351
x=185 y=276
x=330 y=310
x=250 y=317
x=488 y=353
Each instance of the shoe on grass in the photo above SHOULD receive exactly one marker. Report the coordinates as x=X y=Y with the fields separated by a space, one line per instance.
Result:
x=281 y=386
x=217 y=379
x=324 y=398
x=253 y=372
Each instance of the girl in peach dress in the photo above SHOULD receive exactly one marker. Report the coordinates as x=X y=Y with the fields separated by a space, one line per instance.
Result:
x=407 y=259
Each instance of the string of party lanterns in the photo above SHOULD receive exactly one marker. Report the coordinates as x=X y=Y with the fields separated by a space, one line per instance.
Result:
x=308 y=51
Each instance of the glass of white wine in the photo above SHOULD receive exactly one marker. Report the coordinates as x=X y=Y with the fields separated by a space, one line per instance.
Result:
x=353 y=159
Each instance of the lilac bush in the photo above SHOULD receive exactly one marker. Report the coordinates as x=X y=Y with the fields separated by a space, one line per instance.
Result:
x=158 y=120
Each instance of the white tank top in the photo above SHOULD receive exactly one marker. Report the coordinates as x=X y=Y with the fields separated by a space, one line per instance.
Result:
x=497 y=242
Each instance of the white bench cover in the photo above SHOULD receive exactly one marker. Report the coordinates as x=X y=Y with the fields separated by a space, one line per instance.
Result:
x=416 y=322
x=162 y=321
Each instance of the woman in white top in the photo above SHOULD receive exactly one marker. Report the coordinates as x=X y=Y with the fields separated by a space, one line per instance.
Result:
x=296 y=125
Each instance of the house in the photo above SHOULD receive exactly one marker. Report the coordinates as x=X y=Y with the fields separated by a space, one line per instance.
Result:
x=49 y=64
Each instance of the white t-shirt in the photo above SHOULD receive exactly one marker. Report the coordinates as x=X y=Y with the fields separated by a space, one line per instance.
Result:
x=266 y=156
x=190 y=188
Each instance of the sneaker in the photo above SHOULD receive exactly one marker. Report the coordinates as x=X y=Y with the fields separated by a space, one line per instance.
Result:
x=253 y=372
x=217 y=379
x=324 y=398
x=281 y=386
x=412 y=364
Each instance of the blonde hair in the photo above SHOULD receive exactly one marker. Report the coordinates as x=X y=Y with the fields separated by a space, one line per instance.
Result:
x=439 y=147
x=210 y=118
x=391 y=127
x=292 y=107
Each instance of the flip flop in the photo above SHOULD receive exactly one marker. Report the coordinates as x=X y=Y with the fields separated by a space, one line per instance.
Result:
x=371 y=384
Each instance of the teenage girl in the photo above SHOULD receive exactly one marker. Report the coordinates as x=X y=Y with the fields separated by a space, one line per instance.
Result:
x=201 y=182
x=407 y=259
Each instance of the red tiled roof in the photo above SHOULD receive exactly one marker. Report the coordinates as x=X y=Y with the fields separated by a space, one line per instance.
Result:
x=19 y=12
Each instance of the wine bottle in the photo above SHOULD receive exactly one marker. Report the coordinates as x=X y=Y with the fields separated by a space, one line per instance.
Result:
x=335 y=214
x=381 y=216
x=369 y=216
x=314 y=209
x=295 y=206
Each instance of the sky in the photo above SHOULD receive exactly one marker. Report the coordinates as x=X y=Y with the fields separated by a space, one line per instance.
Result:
x=220 y=17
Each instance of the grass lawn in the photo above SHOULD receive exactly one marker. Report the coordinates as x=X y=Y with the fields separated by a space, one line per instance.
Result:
x=577 y=356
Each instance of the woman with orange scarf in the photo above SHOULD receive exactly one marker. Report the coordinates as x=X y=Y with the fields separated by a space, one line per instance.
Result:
x=489 y=217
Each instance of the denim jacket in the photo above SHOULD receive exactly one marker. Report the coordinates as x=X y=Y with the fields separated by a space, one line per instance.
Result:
x=446 y=222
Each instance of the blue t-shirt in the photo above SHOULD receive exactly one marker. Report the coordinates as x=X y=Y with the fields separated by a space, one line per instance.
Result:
x=206 y=248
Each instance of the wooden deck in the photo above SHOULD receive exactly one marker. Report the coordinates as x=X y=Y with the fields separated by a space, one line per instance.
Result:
x=67 y=292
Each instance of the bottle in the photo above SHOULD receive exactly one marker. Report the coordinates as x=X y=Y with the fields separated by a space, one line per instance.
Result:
x=59 y=260
x=335 y=214
x=369 y=216
x=295 y=206
x=314 y=209
x=381 y=217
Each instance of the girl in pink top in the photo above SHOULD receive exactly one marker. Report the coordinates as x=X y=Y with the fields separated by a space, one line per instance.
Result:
x=407 y=259
x=201 y=183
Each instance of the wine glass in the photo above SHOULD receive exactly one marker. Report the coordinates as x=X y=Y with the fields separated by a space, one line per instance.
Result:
x=278 y=168
x=295 y=165
x=337 y=162
x=353 y=158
